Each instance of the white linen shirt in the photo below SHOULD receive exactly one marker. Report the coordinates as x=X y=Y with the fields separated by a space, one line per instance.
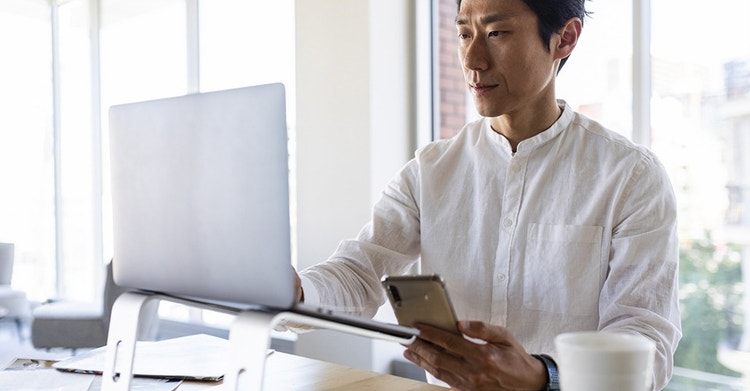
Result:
x=576 y=230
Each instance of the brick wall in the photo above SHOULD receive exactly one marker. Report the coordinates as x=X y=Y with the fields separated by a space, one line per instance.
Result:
x=452 y=103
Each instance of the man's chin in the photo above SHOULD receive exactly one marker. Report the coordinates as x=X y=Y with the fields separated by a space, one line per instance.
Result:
x=487 y=110
x=489 y=113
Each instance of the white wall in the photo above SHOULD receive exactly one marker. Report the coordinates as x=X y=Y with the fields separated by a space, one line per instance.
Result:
x=354 y=131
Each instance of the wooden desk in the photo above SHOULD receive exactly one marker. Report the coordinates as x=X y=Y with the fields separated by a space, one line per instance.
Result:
x=286 y=372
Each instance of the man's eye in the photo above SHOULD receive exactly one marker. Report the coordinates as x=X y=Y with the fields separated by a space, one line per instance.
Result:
x=463 y=36
x=495 y=33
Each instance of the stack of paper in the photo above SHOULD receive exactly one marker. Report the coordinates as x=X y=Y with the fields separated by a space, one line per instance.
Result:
x=195 y=362
x=196 y=357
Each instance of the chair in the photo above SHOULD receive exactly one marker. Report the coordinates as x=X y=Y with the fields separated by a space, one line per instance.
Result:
x=72 y=325
x=13 y=302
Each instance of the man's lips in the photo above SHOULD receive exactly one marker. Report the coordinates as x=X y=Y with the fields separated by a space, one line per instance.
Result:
x=481 y=88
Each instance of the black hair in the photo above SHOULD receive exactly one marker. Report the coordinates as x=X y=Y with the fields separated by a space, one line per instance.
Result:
x=552 y=16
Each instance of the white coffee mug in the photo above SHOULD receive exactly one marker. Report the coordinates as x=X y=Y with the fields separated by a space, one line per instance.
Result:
x=595 y=361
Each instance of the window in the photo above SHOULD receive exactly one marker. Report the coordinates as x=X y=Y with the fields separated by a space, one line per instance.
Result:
x=697 y=119
x=76 y=59
x=700 y=109
x=27 y=144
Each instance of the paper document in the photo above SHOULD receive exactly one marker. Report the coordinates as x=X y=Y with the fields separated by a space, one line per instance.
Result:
x=37 y=374
x=196 y=357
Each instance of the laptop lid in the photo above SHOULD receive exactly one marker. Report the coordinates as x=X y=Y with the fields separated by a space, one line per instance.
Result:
x=200 y=196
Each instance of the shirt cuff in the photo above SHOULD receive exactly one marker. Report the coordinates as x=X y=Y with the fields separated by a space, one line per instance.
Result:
x=311 y=294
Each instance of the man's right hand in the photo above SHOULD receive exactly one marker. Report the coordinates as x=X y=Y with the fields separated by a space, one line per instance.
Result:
x=298 y=285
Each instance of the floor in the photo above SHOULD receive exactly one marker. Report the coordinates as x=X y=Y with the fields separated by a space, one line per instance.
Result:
x=13 y=346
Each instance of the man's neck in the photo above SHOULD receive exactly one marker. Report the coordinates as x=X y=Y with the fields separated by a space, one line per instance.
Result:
x=525 y=123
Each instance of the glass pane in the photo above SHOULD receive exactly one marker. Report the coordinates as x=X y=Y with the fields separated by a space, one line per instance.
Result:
x=27 y=190
x=597 y=78
x=143 y=56
x=701 y=130
x=143 y=50
x=247 y=42
x=454 y=105
x=244 y=43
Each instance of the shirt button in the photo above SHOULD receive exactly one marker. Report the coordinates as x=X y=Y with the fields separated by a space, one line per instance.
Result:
x=501 y=277
x=507 y=223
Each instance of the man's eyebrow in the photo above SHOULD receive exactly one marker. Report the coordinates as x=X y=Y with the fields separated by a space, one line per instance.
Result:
x=484 y=19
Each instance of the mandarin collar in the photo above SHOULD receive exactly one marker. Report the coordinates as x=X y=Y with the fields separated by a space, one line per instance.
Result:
x=527 y=146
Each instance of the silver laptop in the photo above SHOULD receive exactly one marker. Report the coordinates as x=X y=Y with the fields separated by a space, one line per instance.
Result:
x=200 y=198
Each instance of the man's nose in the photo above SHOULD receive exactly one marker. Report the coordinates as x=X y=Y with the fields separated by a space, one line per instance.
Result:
x=474 y=55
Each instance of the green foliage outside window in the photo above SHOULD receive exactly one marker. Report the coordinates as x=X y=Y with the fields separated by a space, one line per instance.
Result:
x=710 y=299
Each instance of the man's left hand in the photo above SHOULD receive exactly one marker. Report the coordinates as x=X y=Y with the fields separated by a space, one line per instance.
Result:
x=496 y=362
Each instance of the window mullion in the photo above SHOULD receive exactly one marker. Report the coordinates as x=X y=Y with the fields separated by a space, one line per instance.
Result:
x=56 y=149
x=193 y=46
x=96 y=134
x=642 y=72
x=192 y=36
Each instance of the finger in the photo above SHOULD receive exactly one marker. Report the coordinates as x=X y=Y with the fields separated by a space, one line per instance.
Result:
x=298 y=286
x=464 y=346
x=453 y=376
x=427 y=350
x=421 y=362
x=486 y=332
x=439 y=337
x=436 y=361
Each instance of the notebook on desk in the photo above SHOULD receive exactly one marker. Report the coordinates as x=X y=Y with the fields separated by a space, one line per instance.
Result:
x=200 y=201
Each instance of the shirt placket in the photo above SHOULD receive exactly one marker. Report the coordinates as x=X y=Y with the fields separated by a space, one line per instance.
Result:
x=511 y=203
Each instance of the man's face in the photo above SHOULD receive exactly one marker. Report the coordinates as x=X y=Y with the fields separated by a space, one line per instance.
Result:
x=506 y=66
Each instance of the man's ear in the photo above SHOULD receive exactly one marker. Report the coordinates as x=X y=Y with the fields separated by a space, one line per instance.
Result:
x=567 y=38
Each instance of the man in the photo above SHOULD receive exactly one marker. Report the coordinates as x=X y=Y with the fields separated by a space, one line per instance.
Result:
x=540 y=220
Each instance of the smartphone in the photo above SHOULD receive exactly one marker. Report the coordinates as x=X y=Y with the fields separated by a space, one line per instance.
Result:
x=421 y=299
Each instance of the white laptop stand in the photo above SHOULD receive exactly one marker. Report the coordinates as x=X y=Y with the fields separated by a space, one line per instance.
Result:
x=249 y=340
